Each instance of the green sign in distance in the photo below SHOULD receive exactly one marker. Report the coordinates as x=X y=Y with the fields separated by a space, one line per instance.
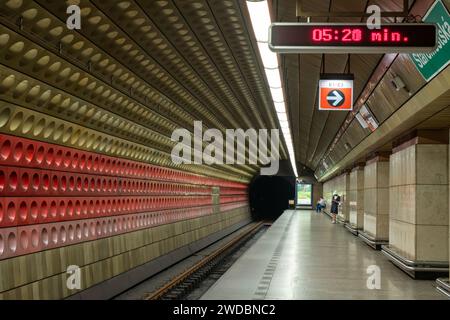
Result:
x=430 y=64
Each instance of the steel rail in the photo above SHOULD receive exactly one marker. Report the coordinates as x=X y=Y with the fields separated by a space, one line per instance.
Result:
x=186 y=274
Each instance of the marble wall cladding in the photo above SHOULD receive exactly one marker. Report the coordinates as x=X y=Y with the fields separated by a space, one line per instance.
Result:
x=402 y=203
x=419 y=202
x=383 y=174
x=343 y=191
x=432 y=204
x=402 y=169
x=370 y=176
x=432 y=164
x=402 y=238
x=370 y=201
x=356 y=198
x=382 y=232
x=376 y=200
x=317 y=192
x=370 y=224
x=431 y=243
x=328 y=188
x=353 y=213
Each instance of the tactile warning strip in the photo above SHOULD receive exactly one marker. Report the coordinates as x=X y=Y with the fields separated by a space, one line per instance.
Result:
x=264 y=283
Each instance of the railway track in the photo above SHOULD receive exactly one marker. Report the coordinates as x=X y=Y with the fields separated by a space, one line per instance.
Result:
x=212 y=265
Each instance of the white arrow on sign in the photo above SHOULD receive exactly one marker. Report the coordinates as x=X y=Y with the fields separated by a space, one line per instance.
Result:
x=336 y=97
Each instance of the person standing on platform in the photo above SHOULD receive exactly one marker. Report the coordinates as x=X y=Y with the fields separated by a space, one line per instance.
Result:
x=336 y=200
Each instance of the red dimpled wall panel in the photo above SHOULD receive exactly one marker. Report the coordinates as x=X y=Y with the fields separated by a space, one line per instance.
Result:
x=53 y=196
x=28 y=153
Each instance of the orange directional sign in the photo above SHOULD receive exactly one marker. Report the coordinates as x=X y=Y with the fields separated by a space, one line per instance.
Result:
x=336 y=95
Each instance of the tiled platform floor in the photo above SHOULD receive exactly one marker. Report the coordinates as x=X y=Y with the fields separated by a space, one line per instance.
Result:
x=304 y=256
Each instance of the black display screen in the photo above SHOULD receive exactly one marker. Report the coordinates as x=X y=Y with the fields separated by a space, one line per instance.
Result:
x=320 y=37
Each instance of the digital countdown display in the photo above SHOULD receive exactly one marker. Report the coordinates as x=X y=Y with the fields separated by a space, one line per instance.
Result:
x=351 y=38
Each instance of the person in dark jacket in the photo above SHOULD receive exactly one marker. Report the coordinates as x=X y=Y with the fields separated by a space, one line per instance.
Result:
x=335 y=201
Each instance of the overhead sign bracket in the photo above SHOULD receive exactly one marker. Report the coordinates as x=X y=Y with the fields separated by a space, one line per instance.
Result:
x=327 y=14
x=337 y=76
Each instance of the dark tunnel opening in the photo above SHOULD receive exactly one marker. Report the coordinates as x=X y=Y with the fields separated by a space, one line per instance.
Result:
x=270 y=195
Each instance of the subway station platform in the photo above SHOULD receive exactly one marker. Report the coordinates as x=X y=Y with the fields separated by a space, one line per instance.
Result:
x=138 y=138
x=304 y=256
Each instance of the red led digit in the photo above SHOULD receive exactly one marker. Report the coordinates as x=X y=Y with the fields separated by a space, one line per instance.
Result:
x=317 y=35
x=347 y=35
x=357 y=35
x=322 y=35
x=327 y=35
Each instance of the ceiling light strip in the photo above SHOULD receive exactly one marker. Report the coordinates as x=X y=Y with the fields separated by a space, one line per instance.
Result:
x=261 y=21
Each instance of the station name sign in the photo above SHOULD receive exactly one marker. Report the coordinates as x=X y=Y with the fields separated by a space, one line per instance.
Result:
x=351 y=38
